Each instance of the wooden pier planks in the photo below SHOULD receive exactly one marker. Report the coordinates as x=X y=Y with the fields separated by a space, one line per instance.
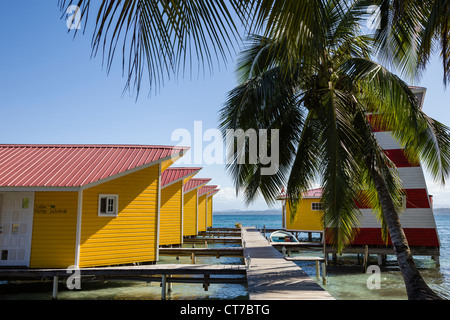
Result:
x=271 y=277
x=222 y=252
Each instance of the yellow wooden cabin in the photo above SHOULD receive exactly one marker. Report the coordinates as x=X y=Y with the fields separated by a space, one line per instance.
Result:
x=80 y=205
x=209 y=208
x=203 y=192
x=308 y=217
x=172 y=217
x=190 y=209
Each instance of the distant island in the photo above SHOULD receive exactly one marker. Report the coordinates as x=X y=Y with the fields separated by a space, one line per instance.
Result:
x=248 y=212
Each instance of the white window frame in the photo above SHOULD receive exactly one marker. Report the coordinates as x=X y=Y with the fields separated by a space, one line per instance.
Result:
x=312 y=206
x=115 y=211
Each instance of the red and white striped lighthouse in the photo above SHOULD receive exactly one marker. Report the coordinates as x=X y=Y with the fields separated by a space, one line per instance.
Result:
x=417 y=218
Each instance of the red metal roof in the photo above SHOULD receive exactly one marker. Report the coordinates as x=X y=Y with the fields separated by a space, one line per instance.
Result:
x=194 y=183
x=312 y=193
x=175 y=174
x=213 y=192
x=73 y=165
x=206 y=189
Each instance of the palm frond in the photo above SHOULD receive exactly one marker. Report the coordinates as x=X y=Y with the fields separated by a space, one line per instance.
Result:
x=394 y=106
x=432 y=146
x=305 y=167
x=375 y=159
x=160 y=37
x=340 y=168
x=410 y=32
x=267 y=102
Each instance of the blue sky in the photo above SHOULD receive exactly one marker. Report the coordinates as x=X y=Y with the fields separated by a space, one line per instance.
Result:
x=51 y=91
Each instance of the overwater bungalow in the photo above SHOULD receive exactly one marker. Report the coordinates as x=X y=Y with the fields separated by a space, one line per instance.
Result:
x=203 y=207
x=190 y=210
x=417 y=218
x=82 y=205
x=209 y=207
x=308 y=217
x=172 y=219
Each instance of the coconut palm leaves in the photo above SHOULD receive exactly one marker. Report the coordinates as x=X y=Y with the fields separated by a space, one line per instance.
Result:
x=317 y=101
x=161 y=37
x=411 y=31
x=325 y=94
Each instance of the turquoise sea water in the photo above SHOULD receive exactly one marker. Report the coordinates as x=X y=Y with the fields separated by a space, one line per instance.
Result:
x=345 y=279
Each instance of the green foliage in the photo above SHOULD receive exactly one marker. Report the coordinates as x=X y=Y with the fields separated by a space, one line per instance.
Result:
x=318 y=86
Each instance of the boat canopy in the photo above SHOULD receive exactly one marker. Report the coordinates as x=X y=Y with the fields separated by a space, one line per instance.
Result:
x=282 y=236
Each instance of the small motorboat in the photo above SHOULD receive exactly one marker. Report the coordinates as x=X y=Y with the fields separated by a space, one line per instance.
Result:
x=281 y=236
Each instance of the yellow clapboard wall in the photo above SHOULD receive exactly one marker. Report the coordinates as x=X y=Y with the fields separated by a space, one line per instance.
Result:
x=209 y=222
x=129 y=237
x=305 y=219
x=202 y=213
x=170 y=214
x=190 y=213
x=54 y=230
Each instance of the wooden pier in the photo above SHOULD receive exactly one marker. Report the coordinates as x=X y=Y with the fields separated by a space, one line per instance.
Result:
x=144 y=272
x=223 y=252
x=268 y=273
x=297 y=246
x=271 y=277
x=212 y=234
x=214 y=240
x=197 y=252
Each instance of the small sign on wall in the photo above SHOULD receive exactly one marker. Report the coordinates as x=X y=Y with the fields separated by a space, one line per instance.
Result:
x=48 y=209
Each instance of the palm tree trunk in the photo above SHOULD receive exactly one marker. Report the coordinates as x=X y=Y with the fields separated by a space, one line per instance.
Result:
x=416 y=287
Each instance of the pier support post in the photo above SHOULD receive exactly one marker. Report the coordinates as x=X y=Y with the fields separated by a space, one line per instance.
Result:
x=169 y=286
x=436 y=259
x=334 y=255
x=324 y=273
x=163 y=286
x=206 y=282
x=55 y=287
x=317 y=270
x=366 y=258
x=381 y=259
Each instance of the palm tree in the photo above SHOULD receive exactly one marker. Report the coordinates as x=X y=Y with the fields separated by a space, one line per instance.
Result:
x=317 y=89
x=410 y=31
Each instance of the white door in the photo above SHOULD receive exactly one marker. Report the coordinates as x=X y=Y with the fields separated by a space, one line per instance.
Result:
x=16 y=224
